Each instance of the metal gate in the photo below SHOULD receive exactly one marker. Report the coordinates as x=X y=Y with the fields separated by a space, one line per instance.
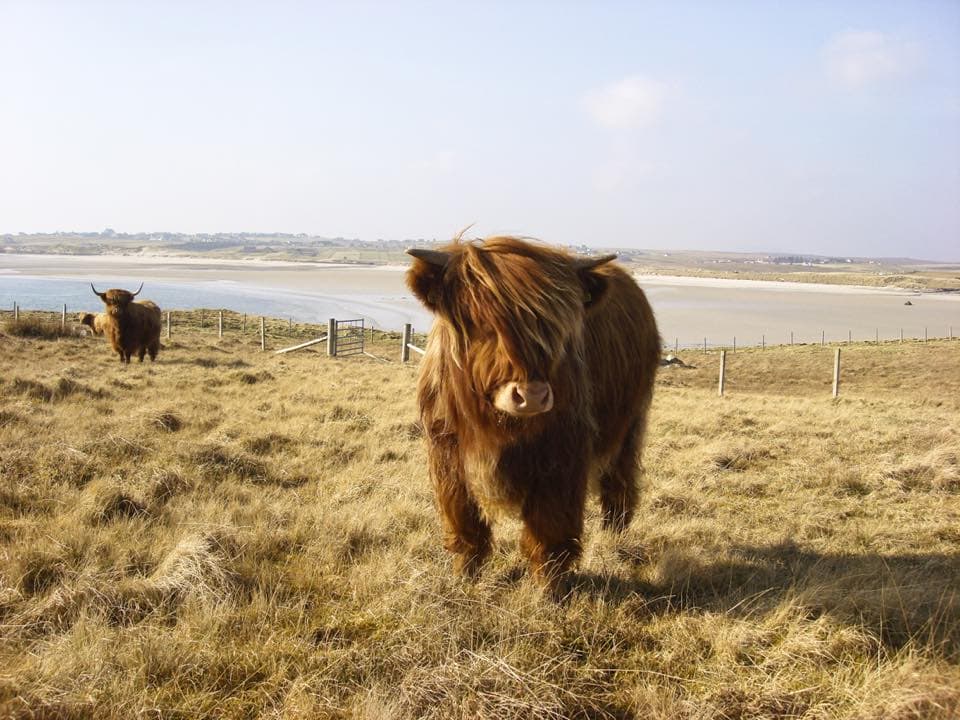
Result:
x=349 y=337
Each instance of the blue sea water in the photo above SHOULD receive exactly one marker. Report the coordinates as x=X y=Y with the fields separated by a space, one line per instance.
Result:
x=385 y=312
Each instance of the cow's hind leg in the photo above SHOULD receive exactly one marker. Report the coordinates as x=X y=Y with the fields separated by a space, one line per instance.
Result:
x=618 y=483
x=153 y=350
x=553 y=526
x=466 y=533
x=140 y=353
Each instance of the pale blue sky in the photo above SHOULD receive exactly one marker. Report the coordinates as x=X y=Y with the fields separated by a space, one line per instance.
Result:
x=822 y=127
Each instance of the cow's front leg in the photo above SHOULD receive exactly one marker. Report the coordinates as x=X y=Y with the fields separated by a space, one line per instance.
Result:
x=466 y=534
x=553 y=526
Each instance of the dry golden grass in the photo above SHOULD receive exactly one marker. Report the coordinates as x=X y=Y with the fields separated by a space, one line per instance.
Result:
x=226 y=533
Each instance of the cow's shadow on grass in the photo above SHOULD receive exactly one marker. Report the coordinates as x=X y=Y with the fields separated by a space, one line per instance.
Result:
x=899 y=598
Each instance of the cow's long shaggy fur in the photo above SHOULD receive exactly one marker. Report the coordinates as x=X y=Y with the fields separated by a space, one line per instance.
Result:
x=131 y=326
x=511 y=310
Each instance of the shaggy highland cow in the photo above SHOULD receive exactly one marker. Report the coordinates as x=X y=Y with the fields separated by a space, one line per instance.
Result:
x=133 y=327
x=537 y=379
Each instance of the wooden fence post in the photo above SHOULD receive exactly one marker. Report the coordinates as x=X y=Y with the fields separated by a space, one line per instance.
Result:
x=763 y=342
x=263 y=336
x=16 y=312
x=924 y=334
x=63 y=319
x=407 y=337
x=168 y=324
x=823 y=338
x=243 y=323
x=289 y=326
x=791 y=337
x=220 y=324
x=332 y=337
x=877 y=335
x=836 y=373
x=723 y=369
x=849 y=336
x=201 y=319
x=704 y=346
x=676 y=345
x=901 y=336
x=734 y=343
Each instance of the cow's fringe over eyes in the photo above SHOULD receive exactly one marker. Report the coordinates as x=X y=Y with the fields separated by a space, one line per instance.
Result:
x=513 y=300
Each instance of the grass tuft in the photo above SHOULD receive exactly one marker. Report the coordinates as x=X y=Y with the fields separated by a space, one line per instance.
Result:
x=220 y=460
x=164 y=421
x=936 y=471
x=37 y=327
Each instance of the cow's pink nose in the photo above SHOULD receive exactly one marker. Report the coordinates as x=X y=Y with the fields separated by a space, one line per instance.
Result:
x=530 y=398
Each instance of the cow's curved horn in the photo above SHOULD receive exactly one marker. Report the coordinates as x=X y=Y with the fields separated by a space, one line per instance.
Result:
x=586 y=263
x=138 y=290
x=98 y=294
x=434 y=257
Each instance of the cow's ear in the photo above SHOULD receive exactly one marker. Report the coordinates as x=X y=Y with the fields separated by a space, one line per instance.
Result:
x=594 y=283
x=425 y=277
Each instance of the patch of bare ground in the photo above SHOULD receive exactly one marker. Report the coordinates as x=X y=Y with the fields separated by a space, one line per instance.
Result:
x=228 y=533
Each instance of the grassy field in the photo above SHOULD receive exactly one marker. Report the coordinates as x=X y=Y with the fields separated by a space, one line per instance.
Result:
x=229 y=533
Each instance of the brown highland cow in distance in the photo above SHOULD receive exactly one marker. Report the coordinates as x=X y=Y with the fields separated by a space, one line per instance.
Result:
x=537 y=379
x=133 y=327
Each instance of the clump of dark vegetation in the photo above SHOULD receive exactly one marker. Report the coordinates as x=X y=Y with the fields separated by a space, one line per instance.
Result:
x=737 y=459
x=408 y=430
x=39 y=572
x=62 y=388
x=35 y=327
x=165 y=421
x=355 y=420
x=269 y=443
x=8 y=417
x=116 y=505
x=220 y=459
x=167 y=483
x=937 y=471
x=249 y=378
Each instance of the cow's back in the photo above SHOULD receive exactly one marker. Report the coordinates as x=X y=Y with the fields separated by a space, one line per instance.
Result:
x=622 y=350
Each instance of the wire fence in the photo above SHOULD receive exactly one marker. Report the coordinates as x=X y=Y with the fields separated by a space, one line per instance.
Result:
x=833 y=339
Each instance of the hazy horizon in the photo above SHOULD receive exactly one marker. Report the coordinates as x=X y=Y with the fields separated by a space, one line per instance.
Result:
x=352 y=238
x=818 y=129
